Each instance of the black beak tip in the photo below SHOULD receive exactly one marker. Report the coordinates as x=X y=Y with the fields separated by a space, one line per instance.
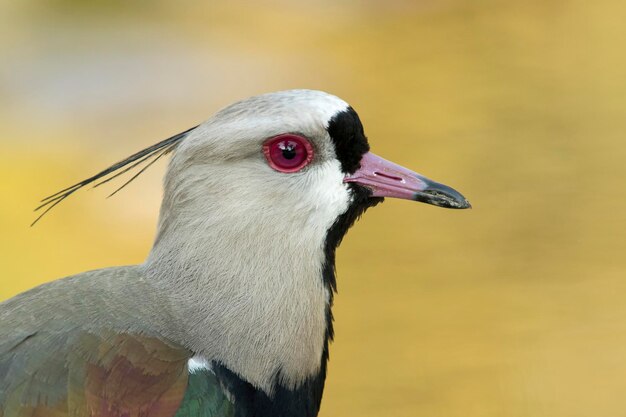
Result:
x=441 y=195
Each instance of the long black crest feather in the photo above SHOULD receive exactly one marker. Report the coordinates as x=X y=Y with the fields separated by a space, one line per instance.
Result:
x=149 y=155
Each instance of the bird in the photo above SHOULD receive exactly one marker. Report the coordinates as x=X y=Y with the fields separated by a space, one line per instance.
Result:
x=230 y=315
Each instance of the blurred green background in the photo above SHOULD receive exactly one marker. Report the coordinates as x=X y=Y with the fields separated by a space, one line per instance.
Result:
x=515 y=308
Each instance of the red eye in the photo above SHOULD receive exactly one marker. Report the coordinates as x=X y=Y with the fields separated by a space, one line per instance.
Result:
x=288 y=153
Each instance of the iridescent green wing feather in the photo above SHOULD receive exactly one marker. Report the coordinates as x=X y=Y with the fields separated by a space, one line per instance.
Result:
x=113 y=375
x=90 y=346
x=205 y=398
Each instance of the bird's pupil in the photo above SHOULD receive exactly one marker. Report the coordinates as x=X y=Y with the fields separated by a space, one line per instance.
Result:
x=289 y=152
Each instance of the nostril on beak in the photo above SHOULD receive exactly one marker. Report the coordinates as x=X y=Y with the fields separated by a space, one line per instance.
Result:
x=391 y=177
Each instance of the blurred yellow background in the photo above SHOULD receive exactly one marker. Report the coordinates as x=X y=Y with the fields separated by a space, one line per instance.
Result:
x=515 y=308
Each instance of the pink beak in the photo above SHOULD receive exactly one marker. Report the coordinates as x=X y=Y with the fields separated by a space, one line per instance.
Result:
x=386 y=179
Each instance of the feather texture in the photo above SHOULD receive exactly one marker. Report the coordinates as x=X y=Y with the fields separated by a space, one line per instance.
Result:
x=205 y=397
x=99 y=354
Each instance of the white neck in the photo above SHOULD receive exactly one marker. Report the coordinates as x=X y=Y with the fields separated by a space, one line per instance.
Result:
x=247 y=283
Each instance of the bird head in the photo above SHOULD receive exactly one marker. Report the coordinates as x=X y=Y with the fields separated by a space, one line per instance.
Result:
x=282 y=162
